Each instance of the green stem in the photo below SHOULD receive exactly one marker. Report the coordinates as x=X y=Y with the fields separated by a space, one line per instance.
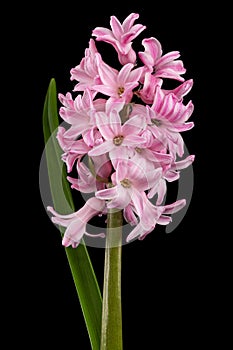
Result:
x=111 y=331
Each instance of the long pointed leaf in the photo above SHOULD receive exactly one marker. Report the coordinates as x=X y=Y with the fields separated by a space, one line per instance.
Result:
x=80 y=264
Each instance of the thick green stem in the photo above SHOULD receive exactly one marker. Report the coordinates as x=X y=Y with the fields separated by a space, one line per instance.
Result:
x=111 y=332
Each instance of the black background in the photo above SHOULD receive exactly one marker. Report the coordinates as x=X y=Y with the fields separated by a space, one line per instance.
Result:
x=169 y=282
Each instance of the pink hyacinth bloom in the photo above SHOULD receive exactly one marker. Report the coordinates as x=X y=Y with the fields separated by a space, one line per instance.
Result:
x=152 y=150
x=147 y=92
x=170 y=173
x=78 y=113
x=72 y=150
x=181 y=90
x=168 y=117
x=129 y=215
x=153 y=215
x=165 y=66
x=121 y=36
x=130 y=180
x=118 y=137
x=118 y=85
x=87 y=181
x=75 y=223
x=124 y=152
x=86 y=73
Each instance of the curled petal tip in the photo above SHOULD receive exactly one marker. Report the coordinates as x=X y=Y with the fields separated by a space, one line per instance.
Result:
x=192 y=157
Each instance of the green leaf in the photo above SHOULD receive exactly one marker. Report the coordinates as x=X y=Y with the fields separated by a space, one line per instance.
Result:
x=79 y=261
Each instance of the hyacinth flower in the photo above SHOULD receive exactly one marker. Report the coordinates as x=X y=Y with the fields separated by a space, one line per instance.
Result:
x=121 y=36
x=121 y=143
x=76 y=222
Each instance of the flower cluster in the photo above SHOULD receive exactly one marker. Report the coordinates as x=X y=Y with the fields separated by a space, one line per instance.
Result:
x=124 y=131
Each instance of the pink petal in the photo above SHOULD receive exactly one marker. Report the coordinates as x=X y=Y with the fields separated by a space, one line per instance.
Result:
x=183 y=89
x=101 y=32
x=166 y=106
x=182 y=164
x=122 y=199
x=135 y=76
x=137 y=231
x=66 y=242
x=129 y=215
x=174 y=207
x=122 y=170
x=104 y=126
x=67 y=216
x=133 y=125
x=132 y=34
x=164 y=220
x=77 y=129
x=101 y=149
x=124 y=73
x=147 y=59
x=146 y=179
x=188 y=110
x=138 y=201
x=129 y=21
x=168 y=57
x=108 y=193
x=168 y=73
x=119 y=153
x=176 y=66
x=116 y=27
x=133 y=140
x=61 y=222
x=75 y=231
x=108 y=75
x=153 y=47
x=106 y=89
x=115 y=122
x=171 y=175
x=161 y=191
x=181 y=127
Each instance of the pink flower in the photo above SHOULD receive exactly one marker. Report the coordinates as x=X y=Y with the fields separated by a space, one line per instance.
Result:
x=181 y=90
x=91 y=180
x=153 y=215
x=75 y=223
x=117 y=137
x=170 y=173
x=78 y=113
x=130 y=180
x=118 y=85
x=72 y=150
x=152 y=150
x=86 y=182
x=150 y=83
x=121 y=36
x=168 y=117
x=86 y=73
x=161 y=66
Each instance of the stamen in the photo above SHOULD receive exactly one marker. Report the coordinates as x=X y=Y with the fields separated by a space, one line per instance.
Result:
x=156 y=122
x=121 y=90
x=126 y=183
x=139 y=150
x=118 y=140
